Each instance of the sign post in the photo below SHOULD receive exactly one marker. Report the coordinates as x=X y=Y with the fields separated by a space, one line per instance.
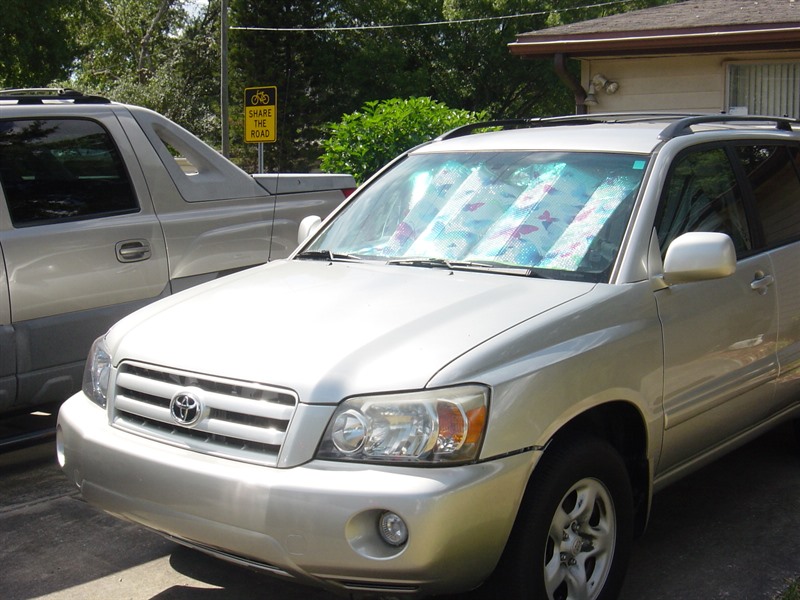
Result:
x=260 y=118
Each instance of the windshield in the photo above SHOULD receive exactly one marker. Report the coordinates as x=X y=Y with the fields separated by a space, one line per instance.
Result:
x=561 y=214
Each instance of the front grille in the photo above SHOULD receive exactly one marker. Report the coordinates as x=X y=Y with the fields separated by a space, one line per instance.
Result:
x=239 y=420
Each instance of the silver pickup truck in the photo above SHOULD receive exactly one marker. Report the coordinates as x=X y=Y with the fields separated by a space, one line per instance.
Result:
x=526 y=333
x=106 y=207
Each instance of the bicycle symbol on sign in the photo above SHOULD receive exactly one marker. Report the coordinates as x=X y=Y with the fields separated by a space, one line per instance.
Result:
x=260 y=97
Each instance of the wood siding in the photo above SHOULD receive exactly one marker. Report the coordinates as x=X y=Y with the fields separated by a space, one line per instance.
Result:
x=665 y=83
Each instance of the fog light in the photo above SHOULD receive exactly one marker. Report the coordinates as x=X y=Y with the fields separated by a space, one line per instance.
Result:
x=393 y=529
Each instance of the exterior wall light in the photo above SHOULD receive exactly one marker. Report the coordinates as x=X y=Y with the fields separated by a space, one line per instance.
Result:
x=600 y=81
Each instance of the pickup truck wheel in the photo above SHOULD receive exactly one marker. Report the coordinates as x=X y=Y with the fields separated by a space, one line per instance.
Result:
x=573 y=535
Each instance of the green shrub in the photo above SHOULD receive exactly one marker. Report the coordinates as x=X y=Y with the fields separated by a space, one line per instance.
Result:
x=363 y=141
x=792 y=592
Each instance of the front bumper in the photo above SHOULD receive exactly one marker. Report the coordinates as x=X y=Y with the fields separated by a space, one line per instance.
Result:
x=316 y=522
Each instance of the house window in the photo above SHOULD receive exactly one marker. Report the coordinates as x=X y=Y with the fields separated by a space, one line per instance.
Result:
x=764 y=89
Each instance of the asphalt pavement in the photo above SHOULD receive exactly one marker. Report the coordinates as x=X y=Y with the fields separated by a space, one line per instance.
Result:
x=728 y=531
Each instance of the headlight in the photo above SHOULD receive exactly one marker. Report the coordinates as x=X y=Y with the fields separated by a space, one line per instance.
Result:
x=443 y=426
x=97 y=372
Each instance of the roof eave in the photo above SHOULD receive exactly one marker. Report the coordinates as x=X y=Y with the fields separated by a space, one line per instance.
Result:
x=657 y=42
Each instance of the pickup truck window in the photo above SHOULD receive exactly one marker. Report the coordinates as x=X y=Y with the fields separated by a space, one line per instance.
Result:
x=55 y=170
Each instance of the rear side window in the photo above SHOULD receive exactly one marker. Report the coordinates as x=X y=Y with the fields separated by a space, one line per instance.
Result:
x=702 y=194
x=56 y=170
x=774 y=174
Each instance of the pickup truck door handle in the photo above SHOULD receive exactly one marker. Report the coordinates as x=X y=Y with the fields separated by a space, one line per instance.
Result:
x=133 y=250
x=761 y=282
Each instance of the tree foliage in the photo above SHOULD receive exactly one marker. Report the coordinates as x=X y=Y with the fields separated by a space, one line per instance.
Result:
x=127 y=39
x=153 y=53
x=302 y=65
x=365 y=140
x=328 y=58
x=38 y=40
x=352 y=58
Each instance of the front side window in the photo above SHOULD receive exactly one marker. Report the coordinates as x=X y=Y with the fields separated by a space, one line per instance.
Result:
x=558 y=214
x=55 y=170
x=774 y=175
x=702 y=194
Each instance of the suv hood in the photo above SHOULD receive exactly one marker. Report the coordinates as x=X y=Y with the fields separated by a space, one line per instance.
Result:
x=330 y=330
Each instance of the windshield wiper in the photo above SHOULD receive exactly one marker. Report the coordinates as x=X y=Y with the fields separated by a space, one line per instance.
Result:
x=327 y=255
x=422 y=262
x=465 y=265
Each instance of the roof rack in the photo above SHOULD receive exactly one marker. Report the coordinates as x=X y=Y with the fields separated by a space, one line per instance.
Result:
x=684 y=126
x=463 y=130
x=626 y=117
x=41 y=95
x=681 y=123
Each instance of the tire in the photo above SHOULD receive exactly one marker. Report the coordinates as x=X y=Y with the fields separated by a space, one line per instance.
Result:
x=574 y=531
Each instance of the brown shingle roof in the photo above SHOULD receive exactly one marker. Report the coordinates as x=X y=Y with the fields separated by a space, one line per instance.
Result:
x=689 y=26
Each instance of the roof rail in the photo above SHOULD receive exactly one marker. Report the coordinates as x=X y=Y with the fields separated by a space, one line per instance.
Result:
x=622 y=117
x=681 y=123
x=684 y=126
x=471 y=127
x=40 y=95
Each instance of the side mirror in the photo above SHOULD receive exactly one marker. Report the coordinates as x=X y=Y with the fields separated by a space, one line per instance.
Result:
x=699 y=255
x=308 y=227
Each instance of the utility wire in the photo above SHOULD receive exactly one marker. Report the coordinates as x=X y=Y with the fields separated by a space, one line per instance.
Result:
x=428 y=24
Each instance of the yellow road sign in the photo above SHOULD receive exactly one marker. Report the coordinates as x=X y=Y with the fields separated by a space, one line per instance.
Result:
x=260 y=114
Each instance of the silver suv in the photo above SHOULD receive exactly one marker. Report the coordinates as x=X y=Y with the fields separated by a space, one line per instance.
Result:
x=487 y=360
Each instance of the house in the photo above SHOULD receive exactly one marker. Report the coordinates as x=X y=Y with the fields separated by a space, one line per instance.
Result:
x=739 y=56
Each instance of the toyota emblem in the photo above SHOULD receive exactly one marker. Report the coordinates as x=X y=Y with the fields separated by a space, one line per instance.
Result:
x=185 y=408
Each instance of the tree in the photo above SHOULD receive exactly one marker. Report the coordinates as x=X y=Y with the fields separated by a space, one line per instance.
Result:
x=323 y=70
x=327 y=58
x=155 y=54
x=127 y=39
x=305 y=67
x=38 y=40
x=330 y=57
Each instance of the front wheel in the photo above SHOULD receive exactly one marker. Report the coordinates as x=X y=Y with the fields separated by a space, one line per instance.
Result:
x=573 y=534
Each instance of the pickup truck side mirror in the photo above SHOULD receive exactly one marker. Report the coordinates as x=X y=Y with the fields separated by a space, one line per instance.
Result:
x=699 y=255
x=308 y=227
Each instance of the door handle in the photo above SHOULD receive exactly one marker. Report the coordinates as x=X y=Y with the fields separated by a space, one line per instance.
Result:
x=133 y=250
x=761 y=282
